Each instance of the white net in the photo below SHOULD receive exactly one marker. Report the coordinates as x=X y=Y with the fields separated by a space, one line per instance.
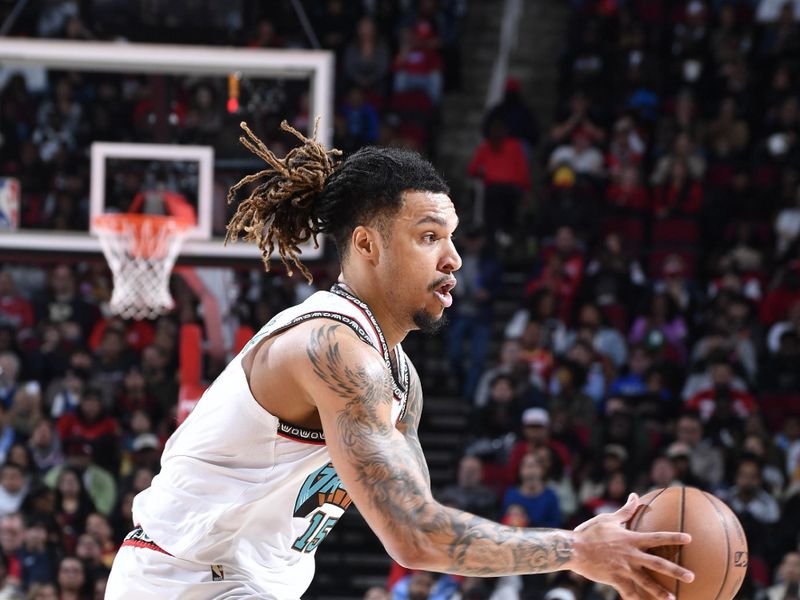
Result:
x=141 y=251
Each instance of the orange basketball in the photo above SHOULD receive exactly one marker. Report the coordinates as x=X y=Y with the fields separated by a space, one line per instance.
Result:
x=717 y=554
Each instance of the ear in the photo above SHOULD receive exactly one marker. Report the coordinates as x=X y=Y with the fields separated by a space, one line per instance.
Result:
x=365 y=243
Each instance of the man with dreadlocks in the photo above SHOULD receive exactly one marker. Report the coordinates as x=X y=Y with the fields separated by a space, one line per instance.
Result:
x=322 y=406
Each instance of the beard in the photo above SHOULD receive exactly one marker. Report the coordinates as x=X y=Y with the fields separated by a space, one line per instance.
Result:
x=427 y=323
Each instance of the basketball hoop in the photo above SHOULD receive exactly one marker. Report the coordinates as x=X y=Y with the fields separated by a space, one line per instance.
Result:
x=141 y=251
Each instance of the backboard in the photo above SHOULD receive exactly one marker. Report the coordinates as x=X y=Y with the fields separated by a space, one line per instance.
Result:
x=177 y=92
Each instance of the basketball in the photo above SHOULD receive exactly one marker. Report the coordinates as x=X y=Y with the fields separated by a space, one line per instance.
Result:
x=718 y=552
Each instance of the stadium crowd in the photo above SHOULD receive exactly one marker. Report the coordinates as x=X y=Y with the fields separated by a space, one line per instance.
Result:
x=656 y=340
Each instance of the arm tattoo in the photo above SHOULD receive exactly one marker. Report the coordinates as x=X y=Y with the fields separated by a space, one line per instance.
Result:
x=409 y=424
x=398 y=489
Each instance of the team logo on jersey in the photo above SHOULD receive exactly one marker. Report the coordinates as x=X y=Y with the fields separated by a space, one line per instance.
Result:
x=321 y=490
x=322 y=487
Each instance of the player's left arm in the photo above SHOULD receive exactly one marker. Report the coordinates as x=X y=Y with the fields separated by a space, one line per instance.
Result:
x=409 y=424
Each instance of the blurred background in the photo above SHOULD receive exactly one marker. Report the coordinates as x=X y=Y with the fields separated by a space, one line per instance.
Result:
x=628 y=313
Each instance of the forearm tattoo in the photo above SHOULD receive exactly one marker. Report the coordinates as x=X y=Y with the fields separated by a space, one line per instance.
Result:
x=397 y=487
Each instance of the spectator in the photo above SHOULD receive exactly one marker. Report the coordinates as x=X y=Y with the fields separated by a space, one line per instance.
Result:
x=43 y=591
x=665 y=319
x=61 y=304
x=99 y=528
x=614 y=280
x=502 y=166
x=685 y=153
x=579 y=113
x=13 y=488
x=376 y=593
x=469 y=493
x=500 y=417
x=626 y=149
x=366 y=58
x=592 y=328
x=12 y=533
x=98 y=482
x=757 y=510
x=540 y=502
x=707 y=462
x=26 y=410
x=7 y=434
x=71 y=579
x=613 y=458
x=478 y=282
x=36 y=556
x=15 y=310
x=511 y=363
x=580 y=156
x=422 y=585
x=677 y=195
x=541 y=307
x=265 y=36
x=708 y=401
x=417 y=65
x=626 y=195
x=662 y=474
x=558 y=479
x=45 y=446
x=535 y=435
x=361 y=121
x=788 y=585
x=615 y=493
x=9 y=378
x=769 y=11
x=520 y=121
x=89 y=422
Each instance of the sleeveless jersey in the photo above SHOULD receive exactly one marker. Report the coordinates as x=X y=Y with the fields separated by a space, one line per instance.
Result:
x=240 y=487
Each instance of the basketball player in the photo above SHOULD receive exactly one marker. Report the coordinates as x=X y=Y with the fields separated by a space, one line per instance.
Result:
x=321 y=408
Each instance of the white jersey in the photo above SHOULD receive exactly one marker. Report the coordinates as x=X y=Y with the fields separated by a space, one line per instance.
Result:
x=242 y=488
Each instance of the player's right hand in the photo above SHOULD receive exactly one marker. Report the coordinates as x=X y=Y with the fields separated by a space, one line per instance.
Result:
x=607 y=552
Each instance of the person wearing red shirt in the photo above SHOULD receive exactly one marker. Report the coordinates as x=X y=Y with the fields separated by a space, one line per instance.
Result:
x=706 y=402
x=679 y=195
x=14 y=309
x=535 y=434
x=88 y=422
x=502 y=165
x=417 y=65
x=626 y=195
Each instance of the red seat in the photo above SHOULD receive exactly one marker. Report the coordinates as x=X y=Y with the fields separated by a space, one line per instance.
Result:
x=672 y=232
x=415 y=102
x=777 y=406
x=630 y=229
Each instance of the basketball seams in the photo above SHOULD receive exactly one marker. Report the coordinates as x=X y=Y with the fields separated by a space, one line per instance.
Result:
x=632 y=525
x=724 y=522
x=680 y=548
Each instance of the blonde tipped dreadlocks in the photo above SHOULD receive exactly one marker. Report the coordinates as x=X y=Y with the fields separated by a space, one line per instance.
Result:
x=280 y=210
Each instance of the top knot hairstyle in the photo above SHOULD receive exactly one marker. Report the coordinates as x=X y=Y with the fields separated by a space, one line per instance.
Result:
x=312 y=191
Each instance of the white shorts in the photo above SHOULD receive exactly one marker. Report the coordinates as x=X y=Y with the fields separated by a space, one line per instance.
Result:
x=143 y=571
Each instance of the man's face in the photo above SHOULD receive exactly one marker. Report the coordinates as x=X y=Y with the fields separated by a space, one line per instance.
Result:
x=70 y=574
x=790 y=567
x=420 y=585
x=469 y=472
x=11 y=533
x=748 y=478
x=418 y=259
x=689 y=431
x=12 y=480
